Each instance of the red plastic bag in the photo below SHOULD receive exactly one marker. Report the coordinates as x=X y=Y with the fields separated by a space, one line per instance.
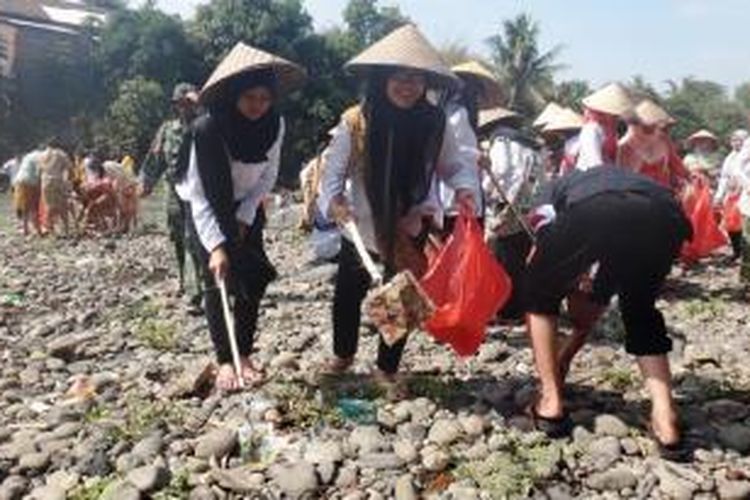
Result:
x=731 y=216
x=707 y=236
x=468 y=287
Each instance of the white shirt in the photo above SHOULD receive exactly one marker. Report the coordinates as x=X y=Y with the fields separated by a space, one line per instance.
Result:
x=450 y=168
x=743 y=177
x=468 y=152
x=511 y=164
x=590 y=144
x=729 y=179
x=251 y=183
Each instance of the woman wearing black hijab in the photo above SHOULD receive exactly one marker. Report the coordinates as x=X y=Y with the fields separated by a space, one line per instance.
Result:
x=381 y=170
x=233 y=166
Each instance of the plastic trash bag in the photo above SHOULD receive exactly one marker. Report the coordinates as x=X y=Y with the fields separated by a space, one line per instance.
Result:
x=468 y=287
x=731 y=216
x=707 y=235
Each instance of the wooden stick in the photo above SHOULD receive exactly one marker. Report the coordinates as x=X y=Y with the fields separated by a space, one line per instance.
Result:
x=359 y=244
x=229 y=320
x=511 y=206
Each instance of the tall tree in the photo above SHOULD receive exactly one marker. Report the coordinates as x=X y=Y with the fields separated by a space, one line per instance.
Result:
x=640 y=89
x=368 y=22
x=570 y=93
x=742 y=96
x=525 y=69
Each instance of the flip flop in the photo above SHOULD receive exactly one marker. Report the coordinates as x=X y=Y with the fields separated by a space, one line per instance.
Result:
x=554 y=428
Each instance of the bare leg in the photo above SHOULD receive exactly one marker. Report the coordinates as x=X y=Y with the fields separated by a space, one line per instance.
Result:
x=658 y=378
x=543 y=330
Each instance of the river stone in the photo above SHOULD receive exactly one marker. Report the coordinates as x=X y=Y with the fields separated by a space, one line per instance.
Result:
x=295 y=480
x=610 y=425
x=238 y=480
x=614 y=479
x=149 y=478
x=404 y=488
x=217 y=443
x=445 y=432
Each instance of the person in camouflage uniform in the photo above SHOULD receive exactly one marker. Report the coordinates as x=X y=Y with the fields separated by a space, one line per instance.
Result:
x=169 y=156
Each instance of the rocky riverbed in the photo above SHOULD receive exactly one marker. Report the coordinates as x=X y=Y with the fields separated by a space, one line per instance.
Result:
x=97 y=393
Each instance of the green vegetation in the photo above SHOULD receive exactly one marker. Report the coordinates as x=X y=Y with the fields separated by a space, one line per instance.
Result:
x=91 y=489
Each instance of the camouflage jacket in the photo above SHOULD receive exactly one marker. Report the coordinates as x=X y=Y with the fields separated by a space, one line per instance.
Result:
x=169 y=154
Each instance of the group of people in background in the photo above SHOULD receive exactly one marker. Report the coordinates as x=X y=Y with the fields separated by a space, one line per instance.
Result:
x=56 y=192
x=575 y=210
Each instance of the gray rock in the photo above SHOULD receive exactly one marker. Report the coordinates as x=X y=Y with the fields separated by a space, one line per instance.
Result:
x=63 y=431
x=238 y=480
x=13 y=487
x=610 y=425
x=615 y=479
x=726 y=410
x=673 y=485
x=63 y=479
x=422 y=410
x=295 y=480
x=34 y=462
x=201 y=492
x=319 y=452
x=405 y=450
x=217 y=443
x=347 y=477
x=736 y=437
x=412 y=432
x=366 y=439
x=445 y=432
x=120 y=490
x=603 y=453
x=734 y=490
x=472 y=425
x=479 y=451
x=404 y=488
x=630 y=446
x=380 y=461
x=390 y=419
x=149 y=478
x=48 y=492
x=434 y=459
x=149 y=447
x=326 y=471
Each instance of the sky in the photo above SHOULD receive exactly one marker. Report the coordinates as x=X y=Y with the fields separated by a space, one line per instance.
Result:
x=603 y=40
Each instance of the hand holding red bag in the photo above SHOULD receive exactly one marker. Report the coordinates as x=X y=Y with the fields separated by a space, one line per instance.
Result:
x=468 y=287
x=707 y=235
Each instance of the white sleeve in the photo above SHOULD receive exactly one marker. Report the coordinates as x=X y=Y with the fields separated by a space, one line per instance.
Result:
x=723 y=180
x=501 y=157
x=457 y=164
x=335 y=162
x=190 y=189
x=590 y=147
x=249 y=206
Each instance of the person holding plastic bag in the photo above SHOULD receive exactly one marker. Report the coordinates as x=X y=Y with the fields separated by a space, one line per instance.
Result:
x=633 y=228
x=392 y=149
x=729 y=190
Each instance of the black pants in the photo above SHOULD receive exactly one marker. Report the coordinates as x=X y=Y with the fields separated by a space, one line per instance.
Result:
x=736 y=240
x=249 y=275
x=633 y=238
x=511 y=251
x=352 y=284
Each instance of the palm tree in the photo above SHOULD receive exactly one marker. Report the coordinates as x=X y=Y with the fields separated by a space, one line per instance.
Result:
x=526 y=72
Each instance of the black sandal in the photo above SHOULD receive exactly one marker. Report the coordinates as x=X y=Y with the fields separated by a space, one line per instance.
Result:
x=677 y=452
x=554 y=428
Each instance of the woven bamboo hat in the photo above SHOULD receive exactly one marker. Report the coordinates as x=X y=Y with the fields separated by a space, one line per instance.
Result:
x=490 y=117
x=652 y=115
x=702 y=134
x=612 y=99
x=405 y=47
x=244 y=59
x=549 y=112
x=565 y=119
x=492 y=92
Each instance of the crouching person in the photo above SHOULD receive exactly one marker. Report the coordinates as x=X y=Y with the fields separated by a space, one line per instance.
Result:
x=234 y=164
x=633 y=228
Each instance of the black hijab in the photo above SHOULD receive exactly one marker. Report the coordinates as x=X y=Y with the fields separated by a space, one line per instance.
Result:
x=401 y=151
x=225 y=130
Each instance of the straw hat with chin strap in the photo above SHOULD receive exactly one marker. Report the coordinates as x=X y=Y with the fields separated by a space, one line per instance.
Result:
x=702 y=134
x=651 y=114
x=566 y=119
x=489 y=118
x=547 y=114
x=405 y=47
x=492 y=92
x=612 y=99
x=244 y=59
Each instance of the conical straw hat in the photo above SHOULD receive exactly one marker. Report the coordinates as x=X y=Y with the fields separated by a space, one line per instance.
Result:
x=549 y=111
x=405 y=47
x=491 y=89
x=702 y=134
x=612 y=99
x=567 y=119
x=491 y=117
x=244 y=58
x=651 y=114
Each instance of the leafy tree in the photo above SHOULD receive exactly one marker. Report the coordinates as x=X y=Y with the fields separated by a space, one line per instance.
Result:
x=526 y=71
x=367 y=22
x=146 y=43
x=138 y=109
x=742 y=96
x=570 y=93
